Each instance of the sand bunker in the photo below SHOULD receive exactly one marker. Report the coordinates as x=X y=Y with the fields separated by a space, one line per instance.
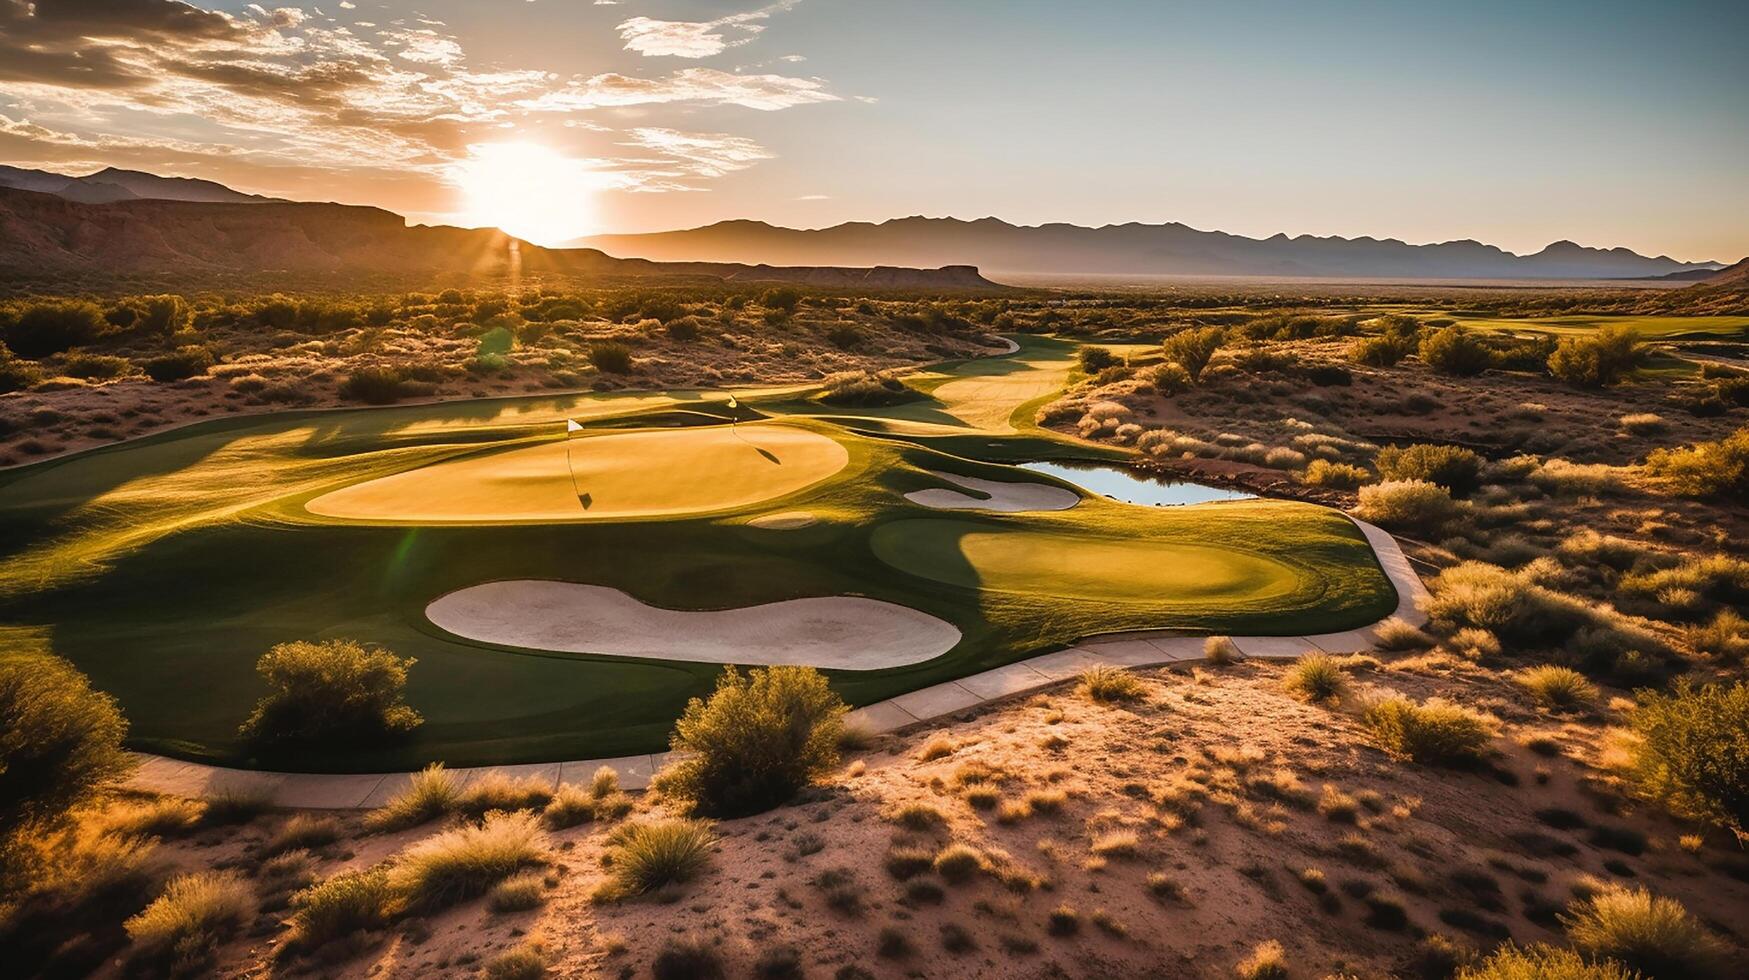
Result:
x=1007 y=498
x=841 y=633
x=789 y=520
x=658 y=473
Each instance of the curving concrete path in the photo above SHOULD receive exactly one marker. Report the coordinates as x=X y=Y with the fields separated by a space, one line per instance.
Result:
x=1141 y=648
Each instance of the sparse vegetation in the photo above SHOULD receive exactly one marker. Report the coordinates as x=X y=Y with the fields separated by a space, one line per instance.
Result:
x=60 y=744
x=1693 y=750
x=467 y=861
x=1316 y=677
x=645 y=856
x=1436 y=732
x=329 y=692
x=1113 y=685
x=1645 y=932
x=182 y=928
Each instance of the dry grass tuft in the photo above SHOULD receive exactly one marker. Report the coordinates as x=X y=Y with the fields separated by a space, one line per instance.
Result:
x=464 y=862
x=1268 y=961
x=1112 y=685
x=646 y=856
x=1651 y=934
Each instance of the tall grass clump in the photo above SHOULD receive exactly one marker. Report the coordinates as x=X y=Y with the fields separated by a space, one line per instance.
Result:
x=1645 y=932
x=330 y=693
x=755 y=742
x=1407 y=505
x=1112 y=684
x=1193 y=349
x=459 y=864
x=430 y=793
x=1543 y=962
x=342 y=906
x=1268 y=961
x=1693 y=751
x=1435 y=732
x=646 y=856
x=1455 y=468
x=1557 y=687
x=184 y=926
x=497 y=791
x=1316 y=677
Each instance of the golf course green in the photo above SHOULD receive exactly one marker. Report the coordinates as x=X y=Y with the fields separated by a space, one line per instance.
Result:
x=164 y=567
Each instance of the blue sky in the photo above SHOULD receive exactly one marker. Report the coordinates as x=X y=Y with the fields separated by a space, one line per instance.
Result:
x=1516 y=124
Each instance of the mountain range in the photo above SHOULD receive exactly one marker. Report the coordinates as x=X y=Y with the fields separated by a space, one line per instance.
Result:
x=1000 y=248
x=48 y=234
x=113 y=184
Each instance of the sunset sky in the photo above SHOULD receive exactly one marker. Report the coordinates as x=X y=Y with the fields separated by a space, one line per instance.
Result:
x=1517 y=124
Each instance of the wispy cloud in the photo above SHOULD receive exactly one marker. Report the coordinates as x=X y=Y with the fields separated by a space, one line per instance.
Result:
x=696 y=39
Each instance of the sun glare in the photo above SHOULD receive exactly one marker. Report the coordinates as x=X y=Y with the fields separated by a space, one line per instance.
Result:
x=528 y=190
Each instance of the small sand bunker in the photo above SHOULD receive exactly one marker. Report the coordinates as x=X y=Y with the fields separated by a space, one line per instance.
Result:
x=838 y=632
x=789 y=520
x=1007 y=498
x=654 y=473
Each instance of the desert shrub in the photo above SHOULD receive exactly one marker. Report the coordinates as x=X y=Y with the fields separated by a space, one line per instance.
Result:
x=16 y=373
x=1557 y=687
x=688 y=958
x=1316 y=677
x=1095 y=359
x=1410 y=505
x=865 y=388
x=1598 y=359
x=645 y=856
x=1455 y=350
x=571 y=805
x=466 y=861
x=182 y=363
x=1707 y=468
x=1337 y=476
x=1268 y=961
x=302 y=832
x=1721 y=577
x=1283 y=458
x=95 y=367
x=429 y=794
x=162 y=315
x=1167 y=379
x=1112 y=684
x=1219 y=650
x=1518 y=608
x=518 y=893
x=785 y=298
x=1193 y=349
x=526 y=962
x=1643 y=423
x=1726 y=636
x=60 y=744
x=611 y=356
x=1452 y=467
x=1435 y=732
x=958 y=862
x=497 y=791
x=379 y=385
x=335 y=691
x=49 y=328
x=1693 y=750
x=67 y=920
x=1645 y=932
x=1380 y=351
x=167 y=816
x=184 y=926
x=1397 y=634
x=758 y=740
x=347 y=903
x=1543 y=962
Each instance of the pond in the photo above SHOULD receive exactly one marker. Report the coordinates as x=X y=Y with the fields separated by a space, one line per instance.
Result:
x=1121 y=483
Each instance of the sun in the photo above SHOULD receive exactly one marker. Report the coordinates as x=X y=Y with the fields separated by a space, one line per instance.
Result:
x=528 y=190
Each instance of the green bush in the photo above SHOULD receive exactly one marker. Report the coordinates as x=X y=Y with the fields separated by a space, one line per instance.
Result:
x=179 y=364
x=1167 y=379
x=1598 y=359
x=1453 y=467
x=1337 y=476
x=611 y=356
x=381 y=385
x=1706 y=469
x=1645 y=932
x=1543 y=962
x=1095 y=359
x=651 y=855
x=785 y=298
x=1193 y=349
x=1408 y=505
x=1380 y=351
x=1693 y=750
x=1455 y=350
x=1435 y=732
x=60 y=744
x=330 y=693
x=163 y=315
x=95 y=367
x=16 y=374
x=49 y=328
x=756 y=742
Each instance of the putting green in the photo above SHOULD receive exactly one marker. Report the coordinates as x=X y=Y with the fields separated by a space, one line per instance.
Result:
x=618 y=476
x=1078 y=566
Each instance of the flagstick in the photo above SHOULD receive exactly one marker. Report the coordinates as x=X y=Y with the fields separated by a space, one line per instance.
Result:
x=571 y=426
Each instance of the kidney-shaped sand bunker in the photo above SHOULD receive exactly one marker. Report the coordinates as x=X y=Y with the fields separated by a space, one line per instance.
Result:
x=836 y=632
x=619 y=476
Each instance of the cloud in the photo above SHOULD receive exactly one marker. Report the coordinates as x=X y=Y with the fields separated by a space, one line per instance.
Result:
x=707 y=86
x=707 y=155
x=695 y=39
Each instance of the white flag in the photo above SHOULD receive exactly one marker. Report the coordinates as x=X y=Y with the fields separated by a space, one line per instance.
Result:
x=572 y=426
x=733 y=403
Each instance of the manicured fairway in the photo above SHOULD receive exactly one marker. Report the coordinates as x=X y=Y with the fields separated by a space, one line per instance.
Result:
x=1648 y=327
x=614 y=476
x=163 y=568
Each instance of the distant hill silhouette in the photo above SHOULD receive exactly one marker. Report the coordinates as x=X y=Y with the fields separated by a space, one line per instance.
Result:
x=998 y=247
x=112 y=184
x=1735 y=275
x=42 y=233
